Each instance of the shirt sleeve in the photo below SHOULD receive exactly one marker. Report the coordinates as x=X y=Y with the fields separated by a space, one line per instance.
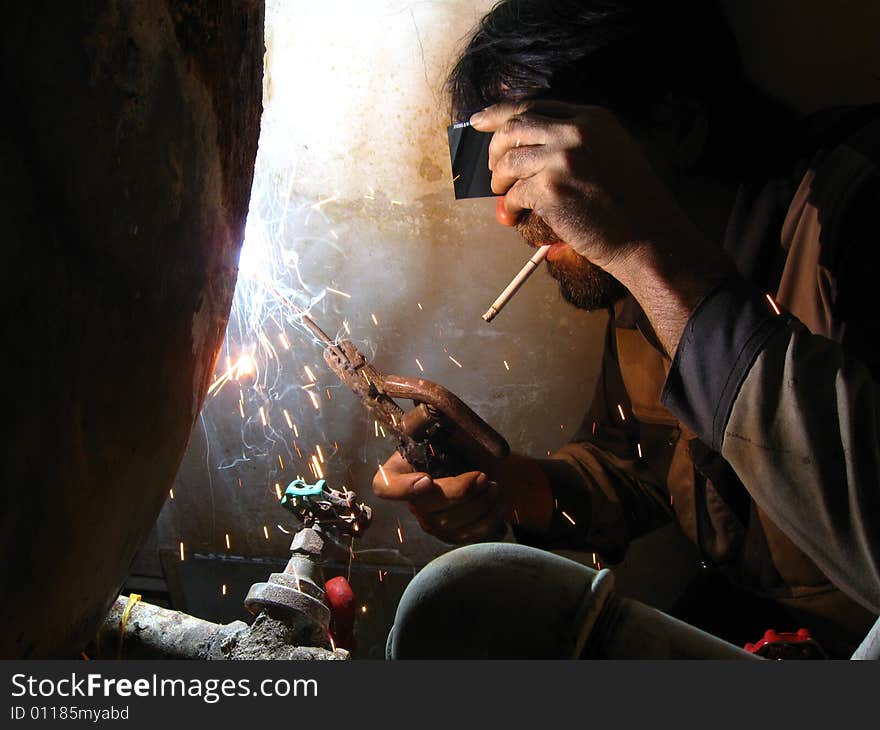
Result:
x=795 y=413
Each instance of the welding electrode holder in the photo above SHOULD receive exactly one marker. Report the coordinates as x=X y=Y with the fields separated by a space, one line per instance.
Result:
x=441 y=435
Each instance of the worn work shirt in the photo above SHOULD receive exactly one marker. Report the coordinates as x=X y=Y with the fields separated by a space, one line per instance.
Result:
x=761 y=437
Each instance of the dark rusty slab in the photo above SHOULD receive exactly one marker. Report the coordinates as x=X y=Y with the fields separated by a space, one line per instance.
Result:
x=127 y=148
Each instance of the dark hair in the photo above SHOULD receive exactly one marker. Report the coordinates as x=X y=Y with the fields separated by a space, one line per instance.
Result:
x=623 y=54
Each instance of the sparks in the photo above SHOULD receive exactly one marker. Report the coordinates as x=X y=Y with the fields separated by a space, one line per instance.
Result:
x=287 y=418
x=773 y=304
x=263 y=416
x=244 y=366
x=384 y=476
x=171 y=493
x=284 y=341
x=420 y=305
x=223 y=590
x=309 y=374
x=376 y=428
x=181 y=552
x=286 y=532
x=317 y=466
x=383 y=431
x=399 y=532
x=320 y=453
x=336 y=291
x=363 y=609
x=315 y=402
x=506 y=366
x=639 y=449
x=345 y=326
x=455 y=361
x=228 y=544
x=280 y=461
x=266 y=531
x=278 y=490
x=620 y=411
x=568 y=517
x=420 y=365
x=375 y=321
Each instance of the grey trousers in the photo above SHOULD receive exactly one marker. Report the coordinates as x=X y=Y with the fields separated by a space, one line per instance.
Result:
x=493 y=600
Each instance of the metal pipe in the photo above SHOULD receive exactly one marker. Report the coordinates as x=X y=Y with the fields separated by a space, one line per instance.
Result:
x=153 y=632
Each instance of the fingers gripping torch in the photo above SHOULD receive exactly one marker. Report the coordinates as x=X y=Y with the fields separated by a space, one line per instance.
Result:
x=440 y=435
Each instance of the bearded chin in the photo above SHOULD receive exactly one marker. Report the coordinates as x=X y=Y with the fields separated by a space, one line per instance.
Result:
x=585 y=285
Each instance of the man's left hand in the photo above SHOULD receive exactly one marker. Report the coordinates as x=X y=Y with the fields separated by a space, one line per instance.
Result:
x=588 y=179
x=579 y=170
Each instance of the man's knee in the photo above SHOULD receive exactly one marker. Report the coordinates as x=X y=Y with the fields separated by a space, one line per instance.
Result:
x=491 y=600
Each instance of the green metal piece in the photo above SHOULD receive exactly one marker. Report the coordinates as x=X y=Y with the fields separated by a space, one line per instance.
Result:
x=301 y=488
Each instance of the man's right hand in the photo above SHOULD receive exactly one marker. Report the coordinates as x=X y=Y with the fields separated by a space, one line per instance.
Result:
x=470 y=507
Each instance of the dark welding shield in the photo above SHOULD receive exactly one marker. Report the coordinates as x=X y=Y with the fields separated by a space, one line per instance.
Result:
x=469 y=154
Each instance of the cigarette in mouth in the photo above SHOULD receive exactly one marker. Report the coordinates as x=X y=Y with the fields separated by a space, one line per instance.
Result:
x=517 y=282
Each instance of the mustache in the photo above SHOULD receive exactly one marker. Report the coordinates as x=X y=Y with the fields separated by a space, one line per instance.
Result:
x=535 y=231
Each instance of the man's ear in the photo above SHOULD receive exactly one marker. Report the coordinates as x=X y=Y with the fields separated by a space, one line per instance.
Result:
x=686 y=129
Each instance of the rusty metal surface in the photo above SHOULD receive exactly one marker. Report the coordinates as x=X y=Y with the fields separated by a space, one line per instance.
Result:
x=153 y=632
x=272 y=638
x=442 y=437
x=452 y=407
x=126 y=159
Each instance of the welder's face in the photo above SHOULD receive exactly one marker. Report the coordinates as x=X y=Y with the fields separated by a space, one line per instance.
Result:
x=581 y=283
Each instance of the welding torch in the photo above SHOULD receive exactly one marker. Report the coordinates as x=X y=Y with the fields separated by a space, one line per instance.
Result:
x=440 y=435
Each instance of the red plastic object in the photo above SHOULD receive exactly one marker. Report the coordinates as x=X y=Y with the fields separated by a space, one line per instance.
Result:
x=786 y=645
x=341 y=599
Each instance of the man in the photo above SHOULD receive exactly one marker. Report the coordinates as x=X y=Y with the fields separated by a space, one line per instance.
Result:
x=737 y=394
